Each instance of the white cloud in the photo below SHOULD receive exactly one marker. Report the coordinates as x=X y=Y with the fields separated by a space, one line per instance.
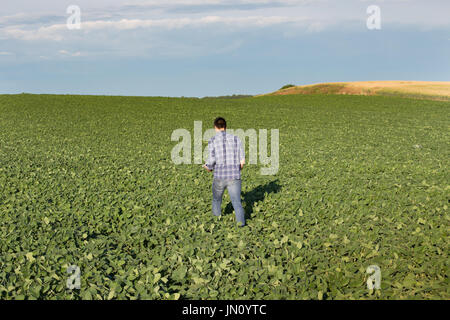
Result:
x=58 y=32
x=43 y=33
x=5 y=53
x=192 y=27
x=215 y=2
x=312 y=15
x=68 y=53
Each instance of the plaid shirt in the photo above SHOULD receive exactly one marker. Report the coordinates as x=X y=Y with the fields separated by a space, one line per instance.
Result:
x=225 y=156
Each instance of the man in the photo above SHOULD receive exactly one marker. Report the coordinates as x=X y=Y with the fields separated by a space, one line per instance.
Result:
x=226 y=159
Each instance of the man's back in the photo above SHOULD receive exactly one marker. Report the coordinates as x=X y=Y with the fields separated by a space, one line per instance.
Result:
x=225 y=156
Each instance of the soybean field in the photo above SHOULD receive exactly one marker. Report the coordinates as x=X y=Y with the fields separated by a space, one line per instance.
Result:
x=88 y=181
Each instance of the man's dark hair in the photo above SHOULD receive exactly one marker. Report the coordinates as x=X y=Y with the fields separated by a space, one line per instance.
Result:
x=220 y=123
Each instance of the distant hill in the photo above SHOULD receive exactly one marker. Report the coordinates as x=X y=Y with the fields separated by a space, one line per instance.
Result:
x=435 y=90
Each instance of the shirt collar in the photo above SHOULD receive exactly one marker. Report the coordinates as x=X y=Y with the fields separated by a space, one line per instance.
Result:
x=221 y=133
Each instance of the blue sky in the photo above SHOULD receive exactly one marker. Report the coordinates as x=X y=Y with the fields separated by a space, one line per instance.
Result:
x=217 y=47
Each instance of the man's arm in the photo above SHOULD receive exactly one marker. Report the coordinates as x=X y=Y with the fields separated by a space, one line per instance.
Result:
x=241 y=153
x=209 y=165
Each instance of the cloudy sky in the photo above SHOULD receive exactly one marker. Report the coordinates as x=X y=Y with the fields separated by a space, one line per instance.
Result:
x=217 y=47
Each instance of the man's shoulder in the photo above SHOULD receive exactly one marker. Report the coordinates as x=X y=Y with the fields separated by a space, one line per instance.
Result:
x=211 y=140
x=233 y=137
x=227 y=136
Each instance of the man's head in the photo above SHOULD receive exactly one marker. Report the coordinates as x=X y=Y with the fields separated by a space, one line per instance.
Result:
x=220 y=124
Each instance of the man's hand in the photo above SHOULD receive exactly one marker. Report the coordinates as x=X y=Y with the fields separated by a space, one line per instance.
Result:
x=207 y=169
x=242 y=164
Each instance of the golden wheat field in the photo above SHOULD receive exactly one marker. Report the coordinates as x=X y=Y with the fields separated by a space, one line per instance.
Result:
x=439 y=90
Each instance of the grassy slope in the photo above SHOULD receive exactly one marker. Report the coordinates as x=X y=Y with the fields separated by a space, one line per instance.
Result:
x=89 y=181
x=410 y=89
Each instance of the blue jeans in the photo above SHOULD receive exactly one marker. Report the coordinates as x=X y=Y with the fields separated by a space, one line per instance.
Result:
x=234 y=190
